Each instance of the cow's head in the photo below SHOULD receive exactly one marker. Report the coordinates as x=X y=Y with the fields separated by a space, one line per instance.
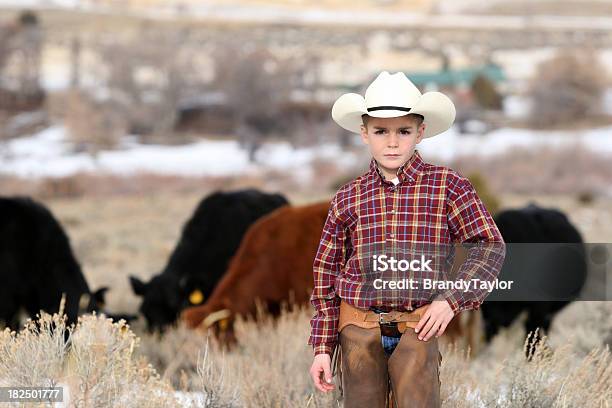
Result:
x=93 y=302
x=96 y=302
x=220 y=321
x=89 y=302
x=163 y=299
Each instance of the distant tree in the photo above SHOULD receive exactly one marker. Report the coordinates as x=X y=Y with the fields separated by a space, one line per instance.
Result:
x=256 y=84
x=20 y=61
x=485 y=94
x=567 y=88
x=148 y=75
x=28 y=18
x=93 y=125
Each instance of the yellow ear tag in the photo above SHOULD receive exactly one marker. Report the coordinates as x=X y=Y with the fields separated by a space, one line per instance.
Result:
x=196 y=297
x=223 y=323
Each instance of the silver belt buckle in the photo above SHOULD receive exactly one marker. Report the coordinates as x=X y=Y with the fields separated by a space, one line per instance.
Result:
x=380 y=317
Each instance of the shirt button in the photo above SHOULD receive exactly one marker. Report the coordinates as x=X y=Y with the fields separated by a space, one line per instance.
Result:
x=391 y=235
x=392 y=211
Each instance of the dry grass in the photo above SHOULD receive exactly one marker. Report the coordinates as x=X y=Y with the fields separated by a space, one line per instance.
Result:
x=106 y=364
x=95 y=363
x=268 y=368
x=35 y=355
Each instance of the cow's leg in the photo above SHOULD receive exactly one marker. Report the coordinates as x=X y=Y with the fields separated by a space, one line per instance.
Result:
x=491 y=326
x=10 y=285
x=474 y=330
x=500 y=314
x=274 y=308
x=9 y=313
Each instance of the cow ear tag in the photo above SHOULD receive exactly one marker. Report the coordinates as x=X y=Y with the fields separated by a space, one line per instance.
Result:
x=196 y=297
x=223 y=324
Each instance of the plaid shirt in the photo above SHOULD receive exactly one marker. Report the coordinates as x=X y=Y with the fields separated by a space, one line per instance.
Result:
x=432 y=204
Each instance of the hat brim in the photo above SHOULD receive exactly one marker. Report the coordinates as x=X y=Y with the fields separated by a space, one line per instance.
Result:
x=437 y=109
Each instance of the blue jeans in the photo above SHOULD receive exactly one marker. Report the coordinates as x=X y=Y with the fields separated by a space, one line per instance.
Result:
x=389 y=343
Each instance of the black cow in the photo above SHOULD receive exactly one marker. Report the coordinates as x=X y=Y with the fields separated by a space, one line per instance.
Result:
x=563 y=271
x=37 y=265
x=208 y=240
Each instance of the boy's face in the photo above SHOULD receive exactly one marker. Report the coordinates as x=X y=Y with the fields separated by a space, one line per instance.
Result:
x=392 y=141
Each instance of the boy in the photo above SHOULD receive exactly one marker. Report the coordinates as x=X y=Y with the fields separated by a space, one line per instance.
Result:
x=401 y=200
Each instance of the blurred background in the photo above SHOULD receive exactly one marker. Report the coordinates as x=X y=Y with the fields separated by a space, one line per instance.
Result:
x=232 y=89
x=120 y=115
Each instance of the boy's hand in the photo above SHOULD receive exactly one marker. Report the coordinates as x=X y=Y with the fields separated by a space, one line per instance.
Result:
x=320 y=371
x=435 y=320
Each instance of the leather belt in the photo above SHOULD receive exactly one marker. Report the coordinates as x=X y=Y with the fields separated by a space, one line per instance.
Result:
x=369 y=319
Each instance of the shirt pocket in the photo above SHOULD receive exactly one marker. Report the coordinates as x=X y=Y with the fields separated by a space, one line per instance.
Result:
x=434 y=218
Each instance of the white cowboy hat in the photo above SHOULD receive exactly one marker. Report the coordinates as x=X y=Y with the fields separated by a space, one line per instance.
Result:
x=394 y=95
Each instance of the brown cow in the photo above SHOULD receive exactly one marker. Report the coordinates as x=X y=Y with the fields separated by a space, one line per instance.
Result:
x=273 y=263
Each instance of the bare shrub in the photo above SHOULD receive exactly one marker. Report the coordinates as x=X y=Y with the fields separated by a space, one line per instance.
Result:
x=567 y=88
x=21 y=44
x=585 y=197
x=92 y=124
x=257 y=83
x=258 y=373
x=99 y=365
x=556 y=378
x=541 y=171
x=174 y=353
x=216 y=382
x=104 y=371
x=276 y=370
x=96 y=365
x=35 y=355
x=146 y=75
x=584 y=325
x=458 y=387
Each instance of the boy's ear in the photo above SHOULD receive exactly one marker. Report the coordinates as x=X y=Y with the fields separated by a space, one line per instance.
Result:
x=364 y=134
x=421 y=132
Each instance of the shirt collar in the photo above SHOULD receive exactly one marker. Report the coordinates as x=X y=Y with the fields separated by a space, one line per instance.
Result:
x=407 y=171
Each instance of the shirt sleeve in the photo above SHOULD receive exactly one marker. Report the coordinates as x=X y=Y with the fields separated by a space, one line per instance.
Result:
x=469 y=222
x=327 y=265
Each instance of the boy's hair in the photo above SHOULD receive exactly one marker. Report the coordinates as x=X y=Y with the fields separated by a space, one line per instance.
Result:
x=415 y=116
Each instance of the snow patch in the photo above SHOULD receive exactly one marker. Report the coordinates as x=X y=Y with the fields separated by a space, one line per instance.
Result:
x=48 y=153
